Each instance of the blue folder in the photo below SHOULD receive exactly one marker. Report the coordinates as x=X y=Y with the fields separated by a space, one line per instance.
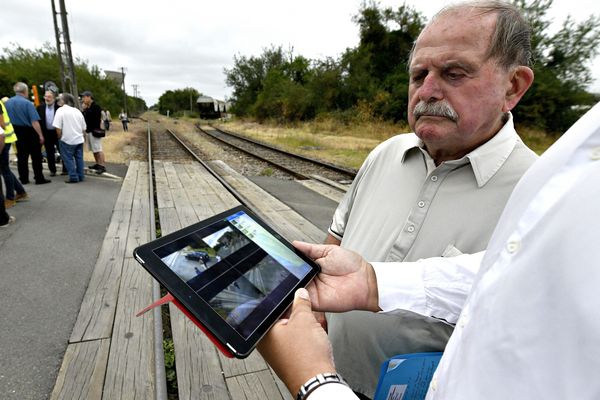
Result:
x=406 y=376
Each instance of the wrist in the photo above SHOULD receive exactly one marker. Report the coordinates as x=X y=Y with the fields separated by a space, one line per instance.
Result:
x=373 y=290
x=304 y=375
x=317 y=381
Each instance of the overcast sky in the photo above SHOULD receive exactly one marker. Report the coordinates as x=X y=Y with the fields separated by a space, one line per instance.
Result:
x=177 y=43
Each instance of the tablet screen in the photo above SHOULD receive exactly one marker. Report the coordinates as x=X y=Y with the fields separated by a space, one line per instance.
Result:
x=237 y=267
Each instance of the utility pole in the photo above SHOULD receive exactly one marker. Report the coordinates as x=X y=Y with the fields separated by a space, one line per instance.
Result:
x=124 y=91
x=58 y=50
x=67 y=68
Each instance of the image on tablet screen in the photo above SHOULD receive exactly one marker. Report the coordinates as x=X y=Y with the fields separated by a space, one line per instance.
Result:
x=238 y=267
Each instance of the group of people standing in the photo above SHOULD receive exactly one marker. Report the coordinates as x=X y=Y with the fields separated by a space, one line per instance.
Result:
x=58 y=123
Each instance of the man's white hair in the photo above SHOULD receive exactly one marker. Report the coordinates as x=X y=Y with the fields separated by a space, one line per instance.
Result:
x=20 y=87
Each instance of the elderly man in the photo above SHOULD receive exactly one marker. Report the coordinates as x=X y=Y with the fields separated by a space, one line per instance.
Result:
x=70 y=128
x=46 y=112
x=25 y=121
x=439 y=191
x=522 y=311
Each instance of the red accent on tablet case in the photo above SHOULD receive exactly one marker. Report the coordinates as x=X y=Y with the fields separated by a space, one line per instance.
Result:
x=170 y=299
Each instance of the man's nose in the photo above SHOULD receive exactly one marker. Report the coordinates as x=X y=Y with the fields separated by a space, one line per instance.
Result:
x=431 y=89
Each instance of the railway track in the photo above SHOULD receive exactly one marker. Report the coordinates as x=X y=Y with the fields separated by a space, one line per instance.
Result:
x=300 y=167
x=325 y=179
x=170 y=147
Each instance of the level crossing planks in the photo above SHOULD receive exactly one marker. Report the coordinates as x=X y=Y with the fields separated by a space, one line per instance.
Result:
x=111 y=353
x=323 y=189
x=279 y=215
x=202 y=371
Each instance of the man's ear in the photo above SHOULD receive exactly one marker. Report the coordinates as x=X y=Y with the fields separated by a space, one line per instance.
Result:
x=521 y=79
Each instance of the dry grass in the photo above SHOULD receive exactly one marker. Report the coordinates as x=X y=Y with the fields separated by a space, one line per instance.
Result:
x=329 y=140
x=120 y=147
x=342 y=144
x=537 y=140
x=324 y=139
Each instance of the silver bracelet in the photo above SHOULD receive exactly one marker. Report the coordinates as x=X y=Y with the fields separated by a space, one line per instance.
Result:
x=321 y=379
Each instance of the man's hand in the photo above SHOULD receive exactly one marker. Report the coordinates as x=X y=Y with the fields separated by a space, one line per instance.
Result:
x=38 y=129
x=346 y=282
x=297 y=348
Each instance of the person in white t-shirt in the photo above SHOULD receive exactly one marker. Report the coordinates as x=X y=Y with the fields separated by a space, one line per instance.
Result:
x=70 y=128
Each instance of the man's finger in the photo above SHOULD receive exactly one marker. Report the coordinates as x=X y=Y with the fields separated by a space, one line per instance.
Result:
x=301 y=302
x=313 y=251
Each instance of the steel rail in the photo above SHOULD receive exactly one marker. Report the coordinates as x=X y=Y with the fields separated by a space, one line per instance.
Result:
x=160 y=392
x=295 y=174
x=222 y=181
x=342 y=170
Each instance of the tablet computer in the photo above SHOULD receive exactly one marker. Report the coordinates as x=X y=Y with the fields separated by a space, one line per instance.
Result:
x=231 y=274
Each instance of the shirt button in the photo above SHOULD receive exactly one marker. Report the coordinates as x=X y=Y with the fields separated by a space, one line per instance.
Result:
x=513 y=246
x=410 y=228
x=463 y=321
x=434 y=178
x=595 y=155
x=433 y=384
x=421 y=204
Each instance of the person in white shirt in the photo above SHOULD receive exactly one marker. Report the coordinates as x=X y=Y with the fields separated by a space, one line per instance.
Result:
x=525 y=310
x=70 y=128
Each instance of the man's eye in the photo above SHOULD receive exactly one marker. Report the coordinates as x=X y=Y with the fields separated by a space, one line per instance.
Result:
x=454 y=75
x=418 y=77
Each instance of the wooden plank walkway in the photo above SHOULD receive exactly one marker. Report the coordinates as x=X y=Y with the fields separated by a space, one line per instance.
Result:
x=191 y=194
x=111 y=352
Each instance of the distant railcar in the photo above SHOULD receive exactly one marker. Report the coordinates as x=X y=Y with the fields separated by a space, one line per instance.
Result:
x=210 y=108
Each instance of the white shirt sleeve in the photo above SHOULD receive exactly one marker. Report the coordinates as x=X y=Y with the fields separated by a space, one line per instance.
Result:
x=58 y=119
x=435 y=287
x=337 y=391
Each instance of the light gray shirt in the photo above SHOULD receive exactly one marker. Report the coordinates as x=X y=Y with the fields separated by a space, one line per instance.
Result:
x=401 y=207
x=49 y=117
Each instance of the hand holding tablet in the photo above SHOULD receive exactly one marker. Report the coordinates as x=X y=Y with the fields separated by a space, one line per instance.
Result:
x=232 y=275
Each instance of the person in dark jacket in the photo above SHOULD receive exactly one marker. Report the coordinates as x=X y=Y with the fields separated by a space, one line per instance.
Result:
x=46 y=112
x=92 y=114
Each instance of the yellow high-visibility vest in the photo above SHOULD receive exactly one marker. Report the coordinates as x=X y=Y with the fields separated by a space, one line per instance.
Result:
x=9 y=131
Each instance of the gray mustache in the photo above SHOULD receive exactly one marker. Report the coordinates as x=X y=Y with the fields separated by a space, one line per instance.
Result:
x=435 y=109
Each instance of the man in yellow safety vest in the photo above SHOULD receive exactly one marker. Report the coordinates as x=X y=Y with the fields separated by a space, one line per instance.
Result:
x=10 y=180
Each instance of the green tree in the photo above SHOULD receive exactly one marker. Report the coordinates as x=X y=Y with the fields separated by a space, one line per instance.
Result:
x=178 y=101
x=372 y=77
x=376 y=71
x=36 y=66
x=561 y=68
x=248 y=75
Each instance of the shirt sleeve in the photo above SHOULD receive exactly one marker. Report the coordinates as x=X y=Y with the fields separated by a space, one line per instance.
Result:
x=33 y=114
x=340 y=216
x=435 y=287
x=58 y=119
x=337 y=391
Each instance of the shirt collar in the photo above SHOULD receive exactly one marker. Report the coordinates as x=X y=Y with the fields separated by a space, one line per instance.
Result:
x=485 y=160
x=488 y=158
